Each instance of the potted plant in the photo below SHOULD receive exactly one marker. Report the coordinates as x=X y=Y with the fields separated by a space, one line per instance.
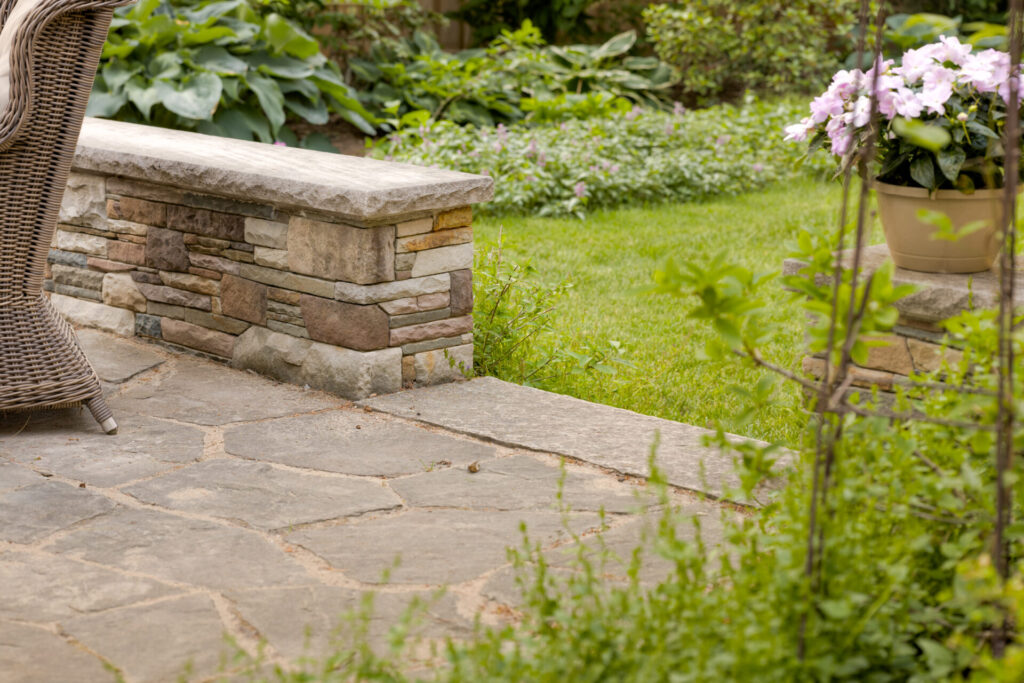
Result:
x=939 y=117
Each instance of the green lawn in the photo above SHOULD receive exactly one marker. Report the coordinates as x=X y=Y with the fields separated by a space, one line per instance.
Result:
x=613 y=252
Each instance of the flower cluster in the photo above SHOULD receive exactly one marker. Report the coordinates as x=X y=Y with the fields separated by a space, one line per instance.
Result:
x=945 y=84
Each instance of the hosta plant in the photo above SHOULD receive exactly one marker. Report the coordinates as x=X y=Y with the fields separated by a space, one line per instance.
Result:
x=940 y=114
x=514 y=75
x=220 y=68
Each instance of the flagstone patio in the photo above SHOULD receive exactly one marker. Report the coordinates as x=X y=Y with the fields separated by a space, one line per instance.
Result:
x=229 y=504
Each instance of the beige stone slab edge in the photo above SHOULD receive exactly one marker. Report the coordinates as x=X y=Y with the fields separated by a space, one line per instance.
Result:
x=350 y=187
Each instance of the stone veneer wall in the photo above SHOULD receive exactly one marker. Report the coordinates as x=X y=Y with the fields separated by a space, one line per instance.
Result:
x=916 y=342
x=345 y=274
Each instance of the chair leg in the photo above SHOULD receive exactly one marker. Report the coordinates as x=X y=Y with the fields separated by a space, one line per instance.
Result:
x=99 y=409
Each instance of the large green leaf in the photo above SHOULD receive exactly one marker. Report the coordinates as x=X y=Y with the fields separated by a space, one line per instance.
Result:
x=195 y=98
x=143 y=95
x=304 y=87
x=142 y=10
x=218 y=60
x=284 y=36
x=117 y=73
x=165 y=65
x=207 y=14
x=922 y=170
x=616 y=45
x=105 y=104
x=245 y=31
x=116 y=48
x=243 y=123
x=951 y=159
x=270 y=98
x=364 y=70
x=357 y=120
x=207 y=35
x=280 y=66
x=318 y=142
x=315 y=113
x=232 y=88
x=331 y=83
x=158 y=31
x=921 y=134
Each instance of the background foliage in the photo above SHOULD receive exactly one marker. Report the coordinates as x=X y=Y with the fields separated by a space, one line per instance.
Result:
x=219 y=67
x=635 y=157
x=514 y=74
x=725 y=48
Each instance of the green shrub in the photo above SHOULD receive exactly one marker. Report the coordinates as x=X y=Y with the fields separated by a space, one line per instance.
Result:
x=220 y=68
x=635 y=157
x=724 y=48
x=513 y=328
x=349 y=29
x=489 y=85
x=910 y=31
x=556 y=19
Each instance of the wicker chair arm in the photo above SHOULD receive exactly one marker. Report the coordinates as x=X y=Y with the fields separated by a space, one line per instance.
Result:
x=5 y=8
x=20 y=86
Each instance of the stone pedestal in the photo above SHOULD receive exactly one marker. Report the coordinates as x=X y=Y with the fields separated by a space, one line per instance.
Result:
x=347 y=274
x=915 y=344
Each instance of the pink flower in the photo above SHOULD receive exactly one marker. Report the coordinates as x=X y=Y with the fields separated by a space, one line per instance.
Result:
x=580 y=190
x=839 y=134
x=1004 y=89
x=985 y=71
x=678 y=109
x=861 y=113
x=938 y=88
x=845 y=83
x=953 y=51
x=826 y=105
x=800 y=131
x=757 y=167
x=907 y=104
x=916 y=62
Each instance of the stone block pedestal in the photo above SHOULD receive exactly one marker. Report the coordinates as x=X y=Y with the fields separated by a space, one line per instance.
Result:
x=916 y=342
x=347 y=274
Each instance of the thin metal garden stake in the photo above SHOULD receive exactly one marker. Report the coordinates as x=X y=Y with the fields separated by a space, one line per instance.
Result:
x=1007 y=265
x=824 y=455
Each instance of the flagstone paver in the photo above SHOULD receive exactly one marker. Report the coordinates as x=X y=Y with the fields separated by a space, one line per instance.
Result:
x=263 y=496
x=64 y=441
x=117 y=363
x=610 y=437
x=31 y=513
x=283 y=615
x=352 y=442
x=424 y=540
x=520 y=482
x=210 y=394
x=181 y=550
x=166 y=636
x=229 y=504
x=34 y=587
x=30 y=654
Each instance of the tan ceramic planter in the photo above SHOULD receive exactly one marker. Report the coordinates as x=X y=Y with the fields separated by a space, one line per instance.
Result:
x=910 y=240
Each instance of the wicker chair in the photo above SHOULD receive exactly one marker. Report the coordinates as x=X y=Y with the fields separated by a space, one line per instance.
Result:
x=49 y=50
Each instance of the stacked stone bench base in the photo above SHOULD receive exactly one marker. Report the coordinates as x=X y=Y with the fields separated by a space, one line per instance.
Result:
x=353 y=304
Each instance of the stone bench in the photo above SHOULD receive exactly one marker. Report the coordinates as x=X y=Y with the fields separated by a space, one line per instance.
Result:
x=916 y=341
x=345 y=274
